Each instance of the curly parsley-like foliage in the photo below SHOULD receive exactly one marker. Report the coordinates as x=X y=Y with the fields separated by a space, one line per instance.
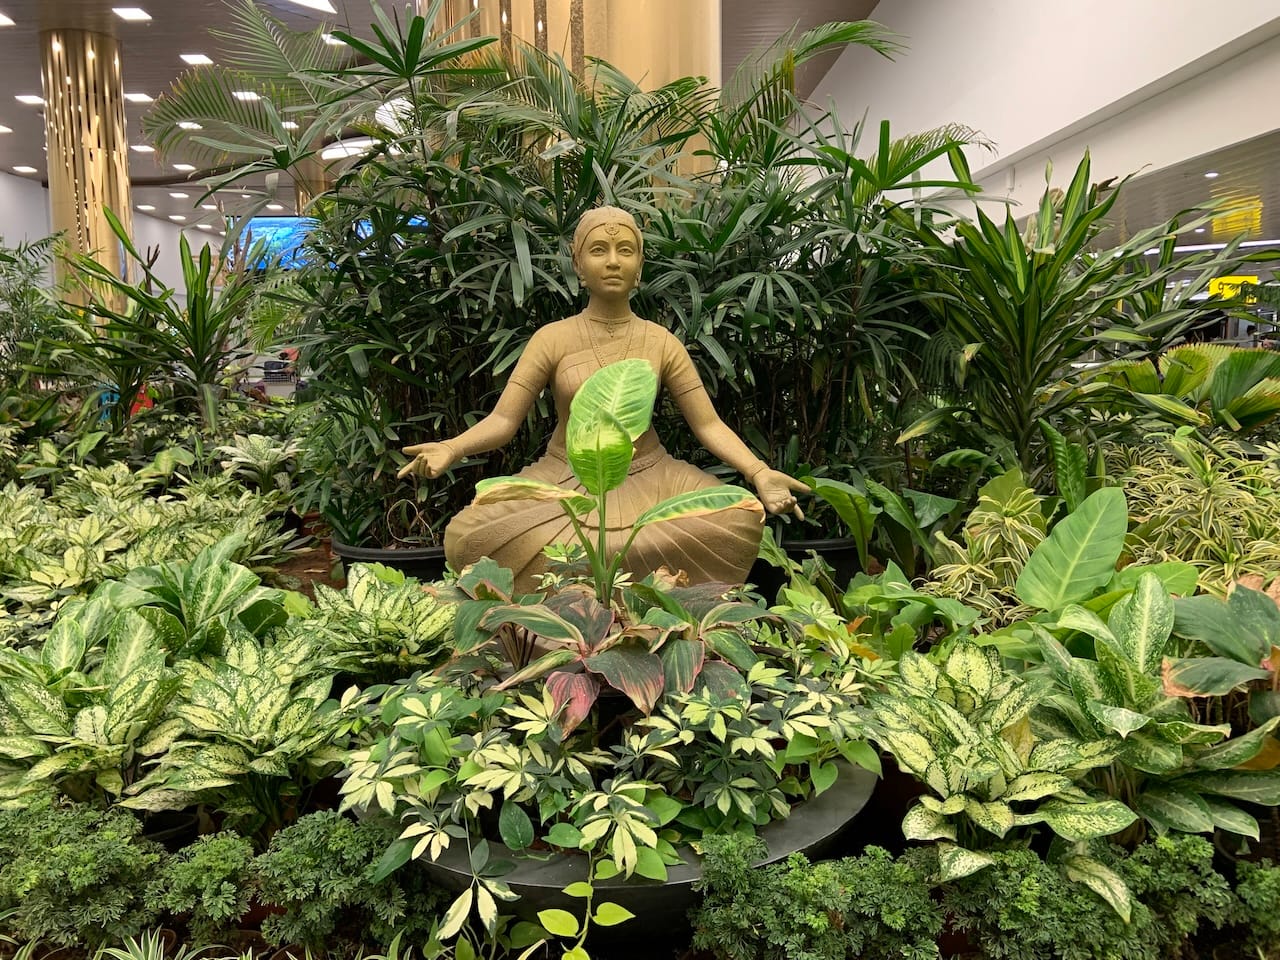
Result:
x=1174 y=877
x=1257 y=893
x=320 y=871
x=72 y=874
x=210 y=881
x=869 y=907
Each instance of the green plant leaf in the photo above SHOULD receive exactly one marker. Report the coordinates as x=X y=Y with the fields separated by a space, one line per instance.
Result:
x=1142 y=622
x=514 y=826
x=579 y=889
x=1085 y=821
x=456 y=915
x=560 y=923
x=564 y=835
x=624 y=392
x=955 y=863
x=921 y=823
x=1206 y=676
x=1102 y=880
x=599 y=452
x=502 y=489
x=1229 y=817
x=1171 y=808
x=611 y=914
x=697 y=503
x=1079 y=555
x=631 y=668
x=681 y=663
x=1251 y=786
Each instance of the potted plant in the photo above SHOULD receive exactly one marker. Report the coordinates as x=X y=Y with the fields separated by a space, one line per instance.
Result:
x=617 y=720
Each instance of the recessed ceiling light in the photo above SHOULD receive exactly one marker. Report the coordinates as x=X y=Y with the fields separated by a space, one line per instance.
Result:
x=142 y=148
x=30 y=99
x=324 y=6
x=203 y=226
x=333 y=41
x=189 y=125
x=132 y=14
x=139 y=97
x=275 y=206
x=196 y=59
x=177 y=216
x=244 y=196
x=4 y=129
x=146 y=207
x=184 y=167
x=5 y=21
x=25 y=169
x=1211 y=175
x=179 y=195
x=208 y=206
x=1199 y=229
x=290 y=125
x=346 y=148
x=245 y=95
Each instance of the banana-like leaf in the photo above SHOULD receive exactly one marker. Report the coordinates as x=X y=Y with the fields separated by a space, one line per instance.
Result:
x=599 y=451
x=502 y=489
x=625 y=391
x=1079 y=555
x=1206 y=676
x=697 y=503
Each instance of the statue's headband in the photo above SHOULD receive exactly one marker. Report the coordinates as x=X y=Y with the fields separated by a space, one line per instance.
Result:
x=605 y=216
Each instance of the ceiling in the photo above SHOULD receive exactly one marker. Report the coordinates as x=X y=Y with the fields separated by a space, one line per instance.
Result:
x=150 y=62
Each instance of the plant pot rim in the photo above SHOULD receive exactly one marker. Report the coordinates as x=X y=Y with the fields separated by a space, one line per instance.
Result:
x=812 y=827
x=376 y=554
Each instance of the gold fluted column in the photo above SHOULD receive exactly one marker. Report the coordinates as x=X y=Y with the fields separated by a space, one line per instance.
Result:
x=88 y=148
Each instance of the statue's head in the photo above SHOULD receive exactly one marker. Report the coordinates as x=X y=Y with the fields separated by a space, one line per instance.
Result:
x=601 y=230
x=605 y=217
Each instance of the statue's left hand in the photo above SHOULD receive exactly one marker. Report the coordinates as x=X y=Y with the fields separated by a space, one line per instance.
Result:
x=777 y=492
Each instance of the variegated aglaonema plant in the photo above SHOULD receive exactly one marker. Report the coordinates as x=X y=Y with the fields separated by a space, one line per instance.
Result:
x=587 y=642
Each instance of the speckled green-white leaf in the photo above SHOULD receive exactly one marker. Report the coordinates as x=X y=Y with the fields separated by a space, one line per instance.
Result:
x=1034 y=786
x=1116 y=719
x=1079 y=555
x=36 y=707
x=993 y=817
x=1102 y=880
x=64 y=646
x=971 y=665
x=921 y=823
x=1151 y=754
x=955 y=863
x=1084 y=821
x=1171 y=808
x=918 y=673
x=91 y=725
x=1184 y=731
x=1142 y=623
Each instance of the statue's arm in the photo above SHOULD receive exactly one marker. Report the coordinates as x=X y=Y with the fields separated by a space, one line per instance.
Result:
x=776 y=489
x=528 y=379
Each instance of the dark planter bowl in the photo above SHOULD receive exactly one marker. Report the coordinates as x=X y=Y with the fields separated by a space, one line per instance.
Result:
x=661 y=908
x=840 y=552
x=425 y=563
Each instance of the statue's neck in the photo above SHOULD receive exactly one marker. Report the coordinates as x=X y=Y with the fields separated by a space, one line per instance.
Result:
x=608 y=308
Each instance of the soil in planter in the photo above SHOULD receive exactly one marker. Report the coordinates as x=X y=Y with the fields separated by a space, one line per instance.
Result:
x=309 y=567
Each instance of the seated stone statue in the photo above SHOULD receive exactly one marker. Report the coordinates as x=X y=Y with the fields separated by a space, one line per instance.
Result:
x=608 y=254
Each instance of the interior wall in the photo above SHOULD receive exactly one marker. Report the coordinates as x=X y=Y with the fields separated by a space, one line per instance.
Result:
x=1030 y=76
x=24 y=216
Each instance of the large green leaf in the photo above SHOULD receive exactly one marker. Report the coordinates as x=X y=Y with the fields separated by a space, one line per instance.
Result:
x=1243 y=628
x=1102 y=880
x=1142 y=621
x=625 y=391
x=1085 y=821
x=698 y=503
x=852 y=507
x=1253 y=786
x=1173 y=808
x=1079 y=555
x=599 y=452
x=502 y=489
x=1237 y=750
x=1206 y=676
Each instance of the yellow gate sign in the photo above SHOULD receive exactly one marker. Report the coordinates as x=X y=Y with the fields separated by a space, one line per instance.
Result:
x=1228 y=288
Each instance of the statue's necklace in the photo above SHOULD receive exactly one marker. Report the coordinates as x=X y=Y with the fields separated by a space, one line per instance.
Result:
x=606 y=352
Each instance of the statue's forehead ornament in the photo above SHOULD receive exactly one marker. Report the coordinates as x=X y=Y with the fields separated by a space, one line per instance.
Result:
x=611 y=229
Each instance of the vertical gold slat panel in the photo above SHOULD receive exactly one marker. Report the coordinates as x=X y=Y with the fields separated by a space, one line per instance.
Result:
x=88 y=145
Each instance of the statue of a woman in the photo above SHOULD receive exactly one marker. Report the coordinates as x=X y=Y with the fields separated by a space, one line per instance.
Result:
x=608 y=254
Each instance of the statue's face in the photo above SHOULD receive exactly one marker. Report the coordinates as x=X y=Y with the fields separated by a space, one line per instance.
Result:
x=609 y=260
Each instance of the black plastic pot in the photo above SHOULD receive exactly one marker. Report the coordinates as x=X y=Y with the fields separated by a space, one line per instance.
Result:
x=661 y=908
x=840 y=552
x=425 y=563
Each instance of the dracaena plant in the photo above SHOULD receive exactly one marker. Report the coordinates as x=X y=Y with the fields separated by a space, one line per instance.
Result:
x=607 y=415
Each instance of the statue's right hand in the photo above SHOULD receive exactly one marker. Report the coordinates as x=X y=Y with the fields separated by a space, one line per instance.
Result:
x=429 y=460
